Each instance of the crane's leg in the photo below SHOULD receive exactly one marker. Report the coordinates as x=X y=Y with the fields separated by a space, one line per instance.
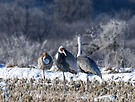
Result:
x=43 y=75
x=87 y=82
x=64 y=81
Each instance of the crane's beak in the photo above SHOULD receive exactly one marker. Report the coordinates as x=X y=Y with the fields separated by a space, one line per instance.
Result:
x=64 y=53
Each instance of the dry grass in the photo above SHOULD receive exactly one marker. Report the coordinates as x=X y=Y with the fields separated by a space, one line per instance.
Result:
x=36 y=90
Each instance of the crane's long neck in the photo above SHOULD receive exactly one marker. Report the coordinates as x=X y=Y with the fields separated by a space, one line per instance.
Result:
x=79 y=47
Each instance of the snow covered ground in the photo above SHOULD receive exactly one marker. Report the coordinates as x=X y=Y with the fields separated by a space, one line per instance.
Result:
x=125 y=74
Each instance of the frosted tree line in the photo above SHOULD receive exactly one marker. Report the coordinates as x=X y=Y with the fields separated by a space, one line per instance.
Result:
x=29 y=28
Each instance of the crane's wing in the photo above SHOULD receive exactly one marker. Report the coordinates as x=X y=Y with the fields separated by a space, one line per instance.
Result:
x=88 y=65
x=94 y=66
x=71 y=60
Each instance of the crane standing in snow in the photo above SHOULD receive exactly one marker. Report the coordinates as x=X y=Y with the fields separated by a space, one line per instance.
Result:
x=86 y=64
x=45 y=62
x=66 y=61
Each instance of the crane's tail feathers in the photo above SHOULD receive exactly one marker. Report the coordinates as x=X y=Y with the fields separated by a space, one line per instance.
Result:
x=99 y=74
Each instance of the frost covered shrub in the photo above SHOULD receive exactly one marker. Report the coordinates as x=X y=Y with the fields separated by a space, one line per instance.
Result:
x=20 y=50
x=105 y=44
x=112 y=38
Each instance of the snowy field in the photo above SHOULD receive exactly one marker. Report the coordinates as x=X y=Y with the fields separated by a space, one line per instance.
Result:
x=125 y=74
x=109 y=74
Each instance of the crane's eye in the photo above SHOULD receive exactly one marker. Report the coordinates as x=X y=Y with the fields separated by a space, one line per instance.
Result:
x=61 y=49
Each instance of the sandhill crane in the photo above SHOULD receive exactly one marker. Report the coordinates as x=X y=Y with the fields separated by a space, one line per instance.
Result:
x=86 y=64
x=45 y=62
x=66 y=61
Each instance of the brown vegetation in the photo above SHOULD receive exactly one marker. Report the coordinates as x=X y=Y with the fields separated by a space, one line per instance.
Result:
x=34 y=90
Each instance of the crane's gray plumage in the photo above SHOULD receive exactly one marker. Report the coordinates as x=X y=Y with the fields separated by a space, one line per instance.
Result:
x=45 y=62
x=86 y=64
x=66 y=62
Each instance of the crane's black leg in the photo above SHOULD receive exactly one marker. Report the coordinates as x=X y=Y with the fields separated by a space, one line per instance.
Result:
x=87 y=82
x=64 y=81
x=43 y=75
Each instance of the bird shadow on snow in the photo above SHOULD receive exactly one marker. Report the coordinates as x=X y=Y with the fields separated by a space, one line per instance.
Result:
x=48 y=71
x=90 y=75
x=38 y=75
x=2 y=65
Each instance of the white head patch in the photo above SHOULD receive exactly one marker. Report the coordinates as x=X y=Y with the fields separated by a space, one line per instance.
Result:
x=59 y=50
